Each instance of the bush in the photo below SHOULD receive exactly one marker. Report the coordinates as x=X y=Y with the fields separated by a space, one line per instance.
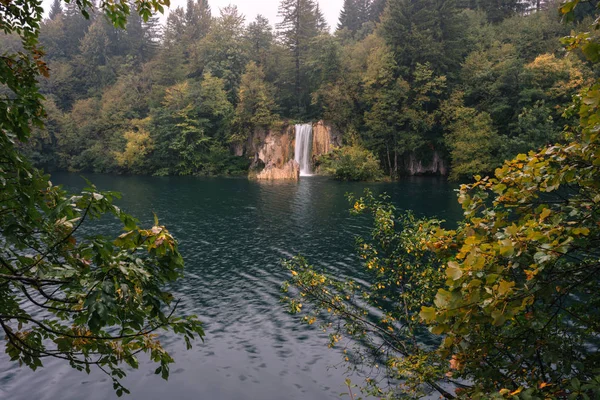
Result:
x=350 y=163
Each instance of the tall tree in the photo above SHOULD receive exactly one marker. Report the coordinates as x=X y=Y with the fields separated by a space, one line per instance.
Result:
x=256 y=106
x=376 y=8
x=222 y=51
x=197 y=19
x=321 y=22
x=76 y=25
x=351 y=17
x=424 y=31
x=259 y=35
x=297 y=28
x=55 y=9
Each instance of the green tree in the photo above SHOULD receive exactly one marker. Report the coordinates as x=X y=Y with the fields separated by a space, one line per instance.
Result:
x=97 y=302
x=297 y=28
x=222 y=51
x=259 y=35
x=256 y=106
x=350 y=163
x=353 y=15
x=424 y=31
x=55 y=9
x=471 y=138
x=195 y=118
x=197 y=20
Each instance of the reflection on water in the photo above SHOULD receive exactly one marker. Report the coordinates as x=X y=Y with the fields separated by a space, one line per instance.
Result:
x=233 y=234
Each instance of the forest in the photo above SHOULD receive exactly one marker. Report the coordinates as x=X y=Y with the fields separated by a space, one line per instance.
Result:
x=473 y=83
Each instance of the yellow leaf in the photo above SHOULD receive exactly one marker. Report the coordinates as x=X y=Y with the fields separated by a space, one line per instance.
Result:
x=516 y=392
x=505 y=287
x=427 y=314
x=453 y=271
x=545 y=214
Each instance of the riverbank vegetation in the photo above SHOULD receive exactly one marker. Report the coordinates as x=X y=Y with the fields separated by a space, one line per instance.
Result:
x=505 y=306
x=350 y=163
x=471 y=83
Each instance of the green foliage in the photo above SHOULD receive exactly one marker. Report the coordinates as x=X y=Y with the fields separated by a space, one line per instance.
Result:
x=377 y=325
x=511 y=294
x=190 y=125
x=350 y=163
x=380 y=79
x=471 y=137
x=256 y=104
x=90 y=300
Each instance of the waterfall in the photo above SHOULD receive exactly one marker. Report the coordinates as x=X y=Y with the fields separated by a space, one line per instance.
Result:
x=303 y=147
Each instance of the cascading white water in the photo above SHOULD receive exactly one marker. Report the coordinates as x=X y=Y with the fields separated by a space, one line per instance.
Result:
x=303 y=148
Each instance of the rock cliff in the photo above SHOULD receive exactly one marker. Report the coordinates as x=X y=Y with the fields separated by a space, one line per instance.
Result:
x=415 y=166
x=273 y=151
x=289 y=171
x=325 y=138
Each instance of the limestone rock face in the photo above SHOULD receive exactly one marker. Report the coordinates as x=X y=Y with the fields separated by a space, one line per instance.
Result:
x=324 y=139
x=437 y=165
x=289 y=171
x=277 y=148
x=272 y=150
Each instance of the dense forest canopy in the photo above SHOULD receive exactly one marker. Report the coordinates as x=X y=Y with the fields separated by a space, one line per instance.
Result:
x=471 y=82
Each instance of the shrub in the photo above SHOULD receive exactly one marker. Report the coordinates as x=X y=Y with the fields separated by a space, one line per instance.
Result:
x=350 y=163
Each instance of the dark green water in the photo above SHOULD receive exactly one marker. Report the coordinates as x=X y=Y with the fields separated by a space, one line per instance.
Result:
x=233 y=234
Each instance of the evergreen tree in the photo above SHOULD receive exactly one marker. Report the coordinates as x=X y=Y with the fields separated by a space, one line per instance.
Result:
x=499 y=10
x=142 y=38
x=76 y=26
x=259 y=35
x=222 y=51
x=375 y=9
x=55 y=9
x=298 y=27
x=175 y=27
x=321 y=22
x=424 y=31
x=197 y=19
x=256 y=106
x=350 y=17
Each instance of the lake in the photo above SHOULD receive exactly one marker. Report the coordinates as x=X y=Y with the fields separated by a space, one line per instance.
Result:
x=233 y=234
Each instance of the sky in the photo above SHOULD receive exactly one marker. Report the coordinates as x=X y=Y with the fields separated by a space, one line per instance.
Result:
x=268 y=8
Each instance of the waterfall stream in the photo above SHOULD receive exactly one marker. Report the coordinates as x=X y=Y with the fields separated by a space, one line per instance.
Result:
x=303 y=149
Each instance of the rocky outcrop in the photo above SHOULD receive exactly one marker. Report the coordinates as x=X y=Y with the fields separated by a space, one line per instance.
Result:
x=289 y=171
x=324 y=139
x=272 y=150
x=277 y=148
x=436 y=166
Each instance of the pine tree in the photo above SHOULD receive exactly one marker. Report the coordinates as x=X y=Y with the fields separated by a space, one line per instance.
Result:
x=197 y=19
x=499 y=10
x=376 y=9
x=142 y=38
x=175 y=27
x=298 y=27
x=349 y=16
x=423 y=31
x=322 y=25
x=76 y=26
x=55 y=9
x=256 y=106
x=259 y=36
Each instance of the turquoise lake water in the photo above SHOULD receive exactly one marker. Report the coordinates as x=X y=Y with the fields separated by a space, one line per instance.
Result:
x=233 y=234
